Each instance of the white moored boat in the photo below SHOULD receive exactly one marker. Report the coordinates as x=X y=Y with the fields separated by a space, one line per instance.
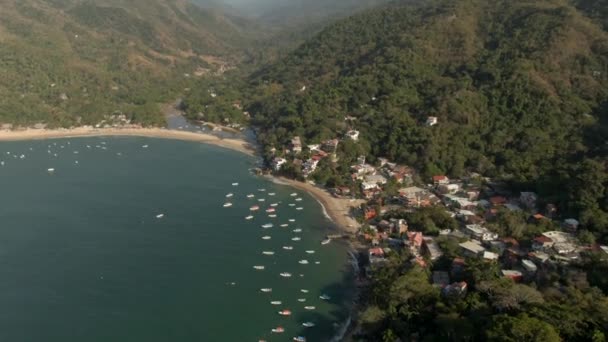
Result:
x=297 y=238
x=261 y=199
x=285 y=275
x=267 y=237
x=284 y=225
x=324 y=297
x=297 y=230
x=249 y=217
x=268 y=252
x=310 y=252
x=274 y=204
x=308 y=324
x=227 y=205
x=301 y=300
x=250 y=196
x=287 y=248
x=254 y=208
x=309 y=307
x=299 y=208
x=293 y=194
x=160 y=216
x=276 y=302
x=326 y=241
x=278 y=330
x=303 y=262
x=229 y=195
x=298 y=199
x=51 y=170
x=272 y=215
x=304 y=290
x=267 y=225
x=235 y=184
x=259 y=267
x=271 y=194
x=292 y=220
x=266 y=290
x=285 y=313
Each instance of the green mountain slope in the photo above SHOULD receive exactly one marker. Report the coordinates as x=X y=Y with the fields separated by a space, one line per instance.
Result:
x=519 y=88
x=66 y=62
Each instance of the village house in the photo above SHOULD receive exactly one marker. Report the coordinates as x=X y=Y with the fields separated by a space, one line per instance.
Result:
x=309 y=166
x=571 y=225
x=431 y=121
x=416 y=197
x=296 y=145
x=529 y=266
x=376 y=255
x=472 y=248
x=353 y=135
x=459 y=202
x=377 y=179
x=448 y=188
x=330 y=146
x=490 y=256
x=362 y=170
x=528 y=199
x=414 y=242
x=278 y=162
x=480 y=233
x=431 y=249
x=458 y=267
x=496 y=201
x=542 y=243
x=440 y=179
x=513 y=275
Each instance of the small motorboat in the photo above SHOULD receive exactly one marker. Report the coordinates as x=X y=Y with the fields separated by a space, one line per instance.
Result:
x=292 y=204
x=285 y=275
x=310 y=252
x=270 y=210
x=274 y=204
x=276 y=302
x=229 y=195
x=285 y=313
x=227 y=205
x=268 y=252
x=278 y=330
x=267 y=225
x=254 y=208
x=272 y=215
x=267 y=237
x=324 y=297
x=304 y=290
x=249 y=217
x=261 y=190
x=301 y=300
x=303 y=262
x=235 y=184
x=297 y=238
x=261 y=199
x=250 y=196
x=309 y=307
x=51 y=170
x=159 y=216
x=287 y=248
x=259 y=267
x=145 y=146
x=293 y=194
x=297 y=230
x=317 y=262
x=308 y=324
x=285 y=225
x=299 y=339
x=326 y=241
x=299 y=208
x=266 y=289
x=271 y=194
x=292 y=220
x=298 y=199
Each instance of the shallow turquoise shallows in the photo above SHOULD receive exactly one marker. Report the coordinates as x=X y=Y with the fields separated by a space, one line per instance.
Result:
x=84 y=257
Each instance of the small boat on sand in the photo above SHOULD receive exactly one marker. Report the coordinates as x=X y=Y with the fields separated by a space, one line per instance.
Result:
x=308 y=324
x=285 y=313
x=266 y=290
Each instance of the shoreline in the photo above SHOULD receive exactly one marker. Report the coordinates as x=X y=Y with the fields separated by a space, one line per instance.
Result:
x=161 y=133
x=338 y=209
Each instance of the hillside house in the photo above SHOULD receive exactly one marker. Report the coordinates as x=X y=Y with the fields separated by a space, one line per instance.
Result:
x=455 y=289
x=431 y=121
x=480 y=233
x=528 y=200
x=440 y=179
x=296 y=145
x=431 y=249
x=542 y=243
x=277 y=163
x=472 y=248
x=353 y=135
x=330 y=146
x=514 y=275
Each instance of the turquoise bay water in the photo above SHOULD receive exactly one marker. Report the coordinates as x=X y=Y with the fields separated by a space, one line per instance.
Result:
x=84 y=258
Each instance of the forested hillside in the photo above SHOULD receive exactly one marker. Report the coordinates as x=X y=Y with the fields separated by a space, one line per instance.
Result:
x=520 y=90
x=68 y=62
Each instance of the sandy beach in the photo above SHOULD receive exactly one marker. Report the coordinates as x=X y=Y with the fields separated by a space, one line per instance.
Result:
x=33 y=134
x=338 y=209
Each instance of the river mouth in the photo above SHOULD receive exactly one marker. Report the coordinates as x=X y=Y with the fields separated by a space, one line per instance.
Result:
x=85 y=255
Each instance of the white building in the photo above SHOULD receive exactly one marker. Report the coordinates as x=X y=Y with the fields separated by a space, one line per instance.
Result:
x=480 y=233
x=353 y=135
x=431 y=121
x=278 y=162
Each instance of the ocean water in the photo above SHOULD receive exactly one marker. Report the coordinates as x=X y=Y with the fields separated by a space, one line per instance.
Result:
x=83 y=256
